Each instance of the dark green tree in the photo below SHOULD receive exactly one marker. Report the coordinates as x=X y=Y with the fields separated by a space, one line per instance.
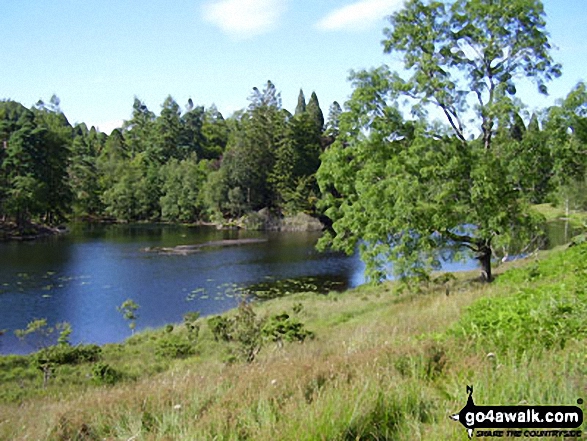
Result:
x=251 y=152
x=51 y=160
x=296 y=161
x=301 y=106
x=313 y=109
x=23 y=168
x=138 y=131
x=167 y=133
x=192 y=137
x=215 y=132
x=83 y=174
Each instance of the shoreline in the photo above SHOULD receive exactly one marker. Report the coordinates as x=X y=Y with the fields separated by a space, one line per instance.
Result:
x=10 y=232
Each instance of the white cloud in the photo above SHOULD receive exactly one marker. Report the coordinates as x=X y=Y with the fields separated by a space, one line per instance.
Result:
x=359 y=15
x=244 y=18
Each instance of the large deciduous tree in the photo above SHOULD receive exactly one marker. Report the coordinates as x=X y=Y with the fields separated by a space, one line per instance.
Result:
x=405 y=190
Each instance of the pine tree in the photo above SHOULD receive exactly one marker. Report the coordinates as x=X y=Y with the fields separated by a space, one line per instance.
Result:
x=313 y=109
x=301 y=107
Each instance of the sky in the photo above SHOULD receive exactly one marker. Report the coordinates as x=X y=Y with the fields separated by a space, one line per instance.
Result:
x=97 y=55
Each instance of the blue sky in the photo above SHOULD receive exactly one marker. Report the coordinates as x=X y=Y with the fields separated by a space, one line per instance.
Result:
x=96 y=56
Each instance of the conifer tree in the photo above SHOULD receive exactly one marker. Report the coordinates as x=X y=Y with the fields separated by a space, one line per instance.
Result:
x=301 y=107
x=313 y=109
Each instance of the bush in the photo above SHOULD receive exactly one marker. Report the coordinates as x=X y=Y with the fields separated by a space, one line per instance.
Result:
x=174 y=346
x=193 y=328
x=103 y=373
x=282 y=327
x=249 y=332
x=220 y=327
x=246 y=332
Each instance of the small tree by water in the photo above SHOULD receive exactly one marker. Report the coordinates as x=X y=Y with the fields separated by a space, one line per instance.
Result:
x=128 y=309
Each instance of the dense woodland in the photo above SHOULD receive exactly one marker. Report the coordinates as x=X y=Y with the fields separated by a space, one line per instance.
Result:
x=193 y=164
x=183 y=165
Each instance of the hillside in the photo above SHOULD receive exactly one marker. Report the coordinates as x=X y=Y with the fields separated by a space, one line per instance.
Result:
x=382 y=364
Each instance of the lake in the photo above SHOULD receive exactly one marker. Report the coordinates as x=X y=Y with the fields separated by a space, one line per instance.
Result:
x=82 y=277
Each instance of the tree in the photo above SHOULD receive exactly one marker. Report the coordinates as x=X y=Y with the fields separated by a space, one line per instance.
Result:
x=313 y=109
x=566 y=132
x=296 y=160
x=181 y=186
x=410 y=189
x=215 y=132
x=22 y=154
x=301 y=106
x=51 y=160
x=333 y=120
x=251 y=151
x=138 y=130
x=167 y=132
x=83 y=173
x=192 y=138
x=128 y=309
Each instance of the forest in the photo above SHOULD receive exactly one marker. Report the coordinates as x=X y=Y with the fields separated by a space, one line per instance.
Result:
x=183 y=165
x=193 y=164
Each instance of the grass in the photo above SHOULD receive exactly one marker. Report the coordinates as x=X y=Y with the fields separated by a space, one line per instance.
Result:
x=552 y=213
x=382 y=366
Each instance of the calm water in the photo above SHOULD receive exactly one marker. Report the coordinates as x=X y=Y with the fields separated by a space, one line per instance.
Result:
x=82 y=277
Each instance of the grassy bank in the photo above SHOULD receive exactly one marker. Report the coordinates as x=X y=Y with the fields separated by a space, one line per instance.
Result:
x=381 y=365
x=552 y=213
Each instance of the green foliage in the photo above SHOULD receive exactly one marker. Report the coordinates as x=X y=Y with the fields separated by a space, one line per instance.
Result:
x=62 y=354
x=406 y=190
x=192 y=326
x=537 y=317
x=246 y=332
x=180 y=192
x=103 y=373
x=84 y=173
x=173 y=346
x=315 y=112
x=40 y=335
x=128 y=309
x=282 y=327
x=49 y=355
x=220 y=327
x=301 y=106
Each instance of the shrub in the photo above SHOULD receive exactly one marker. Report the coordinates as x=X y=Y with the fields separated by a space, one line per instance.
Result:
x=282 y=327
x=220 y=327
x=103 y=373
x=174 y=346
x=246 y=332
x=193 y=328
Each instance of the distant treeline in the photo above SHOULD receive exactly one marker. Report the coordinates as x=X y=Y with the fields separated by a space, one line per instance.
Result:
x=192 y=164
x=183 y=165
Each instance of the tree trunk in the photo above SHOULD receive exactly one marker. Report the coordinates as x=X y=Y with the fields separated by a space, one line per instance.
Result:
x=485 y=260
